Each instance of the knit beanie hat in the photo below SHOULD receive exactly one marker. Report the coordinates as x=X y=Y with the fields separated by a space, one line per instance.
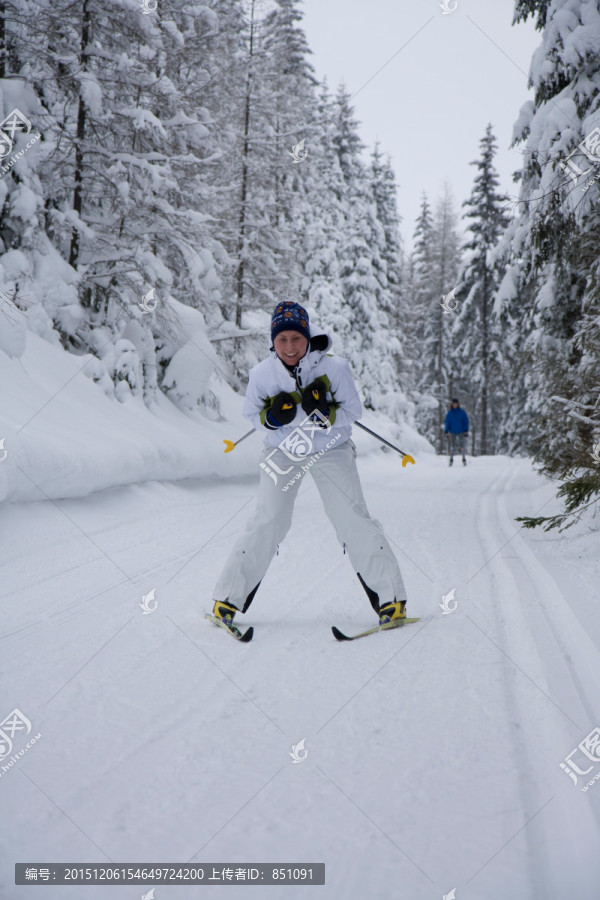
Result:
x=289 y=316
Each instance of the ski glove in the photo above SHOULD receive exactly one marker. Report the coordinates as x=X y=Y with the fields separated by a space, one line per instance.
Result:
x=314 y=399
x=282 y=410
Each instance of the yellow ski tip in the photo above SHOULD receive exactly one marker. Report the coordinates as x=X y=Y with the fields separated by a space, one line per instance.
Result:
x=407 y=458
x=229 y=445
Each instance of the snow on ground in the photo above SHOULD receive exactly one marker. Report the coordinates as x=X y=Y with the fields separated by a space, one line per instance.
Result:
x=433 y=751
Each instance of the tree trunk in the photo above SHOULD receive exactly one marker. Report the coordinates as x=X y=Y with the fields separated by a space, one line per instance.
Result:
x=485 y=356
x=81 y=120
x=440 y=354
x=3 y=48
x=241 y=245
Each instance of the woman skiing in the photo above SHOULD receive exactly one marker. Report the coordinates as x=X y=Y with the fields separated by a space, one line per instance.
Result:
x=304 y=401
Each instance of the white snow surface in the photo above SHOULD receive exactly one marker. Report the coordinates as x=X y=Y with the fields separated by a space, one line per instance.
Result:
x=434 y=751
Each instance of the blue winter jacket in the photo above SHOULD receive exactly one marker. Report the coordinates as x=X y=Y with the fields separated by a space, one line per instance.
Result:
x=457 y=421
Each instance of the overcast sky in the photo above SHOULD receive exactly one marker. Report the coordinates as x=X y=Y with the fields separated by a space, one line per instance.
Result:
x=430 y=104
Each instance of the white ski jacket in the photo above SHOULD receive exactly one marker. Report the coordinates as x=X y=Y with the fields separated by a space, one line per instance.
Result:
x=269 y=377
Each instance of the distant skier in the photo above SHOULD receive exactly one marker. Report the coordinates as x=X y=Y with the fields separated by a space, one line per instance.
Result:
x=457 y=426
x=294 y=397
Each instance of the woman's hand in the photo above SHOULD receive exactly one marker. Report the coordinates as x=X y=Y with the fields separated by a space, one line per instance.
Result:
x=282 y=411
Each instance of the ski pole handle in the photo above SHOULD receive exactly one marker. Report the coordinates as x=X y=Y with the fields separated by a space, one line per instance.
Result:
x=229 y=445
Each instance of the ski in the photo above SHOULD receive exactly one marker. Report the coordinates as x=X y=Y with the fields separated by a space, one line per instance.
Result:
x=232 y=629
x=340 y=636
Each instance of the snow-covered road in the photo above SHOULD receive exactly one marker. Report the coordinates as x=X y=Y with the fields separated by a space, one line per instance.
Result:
x=433 y=752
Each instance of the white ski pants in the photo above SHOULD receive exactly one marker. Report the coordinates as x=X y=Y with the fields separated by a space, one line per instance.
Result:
x=336 y=478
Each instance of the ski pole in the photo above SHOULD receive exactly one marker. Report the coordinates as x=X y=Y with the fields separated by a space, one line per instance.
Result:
x=229 y=445
x=406 y=457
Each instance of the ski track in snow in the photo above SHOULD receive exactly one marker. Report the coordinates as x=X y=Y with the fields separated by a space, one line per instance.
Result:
x=433 y=751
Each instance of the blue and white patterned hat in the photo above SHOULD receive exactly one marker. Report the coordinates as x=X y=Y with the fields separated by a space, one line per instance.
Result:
x=289 y=316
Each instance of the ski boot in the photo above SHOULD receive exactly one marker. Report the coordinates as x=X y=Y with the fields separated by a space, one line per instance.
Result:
x=224 y=611
x=464 y=461
x=392 y=611
x=451 y=460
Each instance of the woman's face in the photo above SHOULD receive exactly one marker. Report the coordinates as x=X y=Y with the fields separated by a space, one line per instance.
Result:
x=290 y=346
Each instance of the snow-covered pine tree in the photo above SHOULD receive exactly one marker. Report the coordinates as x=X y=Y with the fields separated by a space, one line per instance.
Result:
x=292 y=102
x=477 y=334
x=268 y=103
x=368 y=332
x=437 y=363
x=123 y=176
x=410 y=324
x=424 y=295
x=447 y=259
x=166 y=165
x=23 y=244
x=256 y=242
x=320 y=217
x=552 y=253
x=383 y=187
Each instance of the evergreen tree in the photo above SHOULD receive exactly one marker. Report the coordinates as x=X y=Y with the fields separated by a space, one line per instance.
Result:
x=445 y=264
x=395 y=303
x=434 y=263
x=551 y=283
x=367 y=332
x=422 y=296
x=320 y=217
x=123 y=176
x=291 y=119
x=477 y=333
x=165 y=165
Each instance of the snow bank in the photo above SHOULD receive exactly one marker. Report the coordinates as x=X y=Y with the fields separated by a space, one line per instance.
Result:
x=64 y=437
